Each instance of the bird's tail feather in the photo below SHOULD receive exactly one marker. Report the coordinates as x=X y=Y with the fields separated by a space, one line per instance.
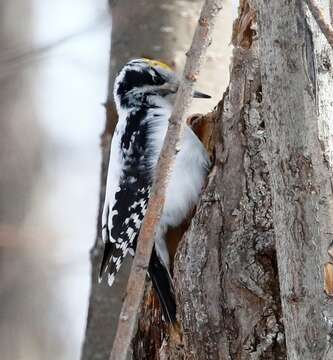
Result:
x=106 y=258
x=163 y=286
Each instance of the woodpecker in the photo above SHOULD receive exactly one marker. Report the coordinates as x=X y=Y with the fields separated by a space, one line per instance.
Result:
x=143 y=92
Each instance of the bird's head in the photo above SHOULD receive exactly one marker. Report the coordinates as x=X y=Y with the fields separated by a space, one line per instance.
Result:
x=144 y=77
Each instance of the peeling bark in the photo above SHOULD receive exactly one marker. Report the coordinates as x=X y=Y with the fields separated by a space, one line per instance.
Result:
x=226 y=272
x=225 y=268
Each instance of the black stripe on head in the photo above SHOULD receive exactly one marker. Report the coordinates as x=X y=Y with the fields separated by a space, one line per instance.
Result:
x=138 y=78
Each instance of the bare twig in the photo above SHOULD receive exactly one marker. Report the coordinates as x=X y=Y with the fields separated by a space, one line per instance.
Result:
x=324 y=26
x=136 y=282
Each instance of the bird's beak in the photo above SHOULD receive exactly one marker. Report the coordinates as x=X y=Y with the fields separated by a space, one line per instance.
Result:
x=198 y=94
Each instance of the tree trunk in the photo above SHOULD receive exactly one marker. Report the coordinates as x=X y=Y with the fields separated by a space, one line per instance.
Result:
x=226 y=274
x=226 y=271
x=296 y=63
x=270 y=182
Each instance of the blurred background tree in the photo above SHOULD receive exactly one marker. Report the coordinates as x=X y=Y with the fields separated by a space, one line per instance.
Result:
x=49 y=170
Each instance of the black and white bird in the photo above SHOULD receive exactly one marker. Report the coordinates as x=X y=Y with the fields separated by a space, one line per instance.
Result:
x=143 y=95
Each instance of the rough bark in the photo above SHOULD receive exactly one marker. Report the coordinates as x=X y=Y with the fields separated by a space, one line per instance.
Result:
x=225 y=269
x=297 y=74
x=241 y=319
x=277 y=136
x=160 y=30
x=226 y=274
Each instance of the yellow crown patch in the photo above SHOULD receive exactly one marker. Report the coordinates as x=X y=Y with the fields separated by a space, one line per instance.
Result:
x=157 y=63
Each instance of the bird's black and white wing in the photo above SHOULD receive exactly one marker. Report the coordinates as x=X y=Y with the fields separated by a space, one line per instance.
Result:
x=127 y=194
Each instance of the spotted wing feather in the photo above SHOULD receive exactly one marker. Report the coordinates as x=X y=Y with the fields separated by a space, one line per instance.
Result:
x=123 y=227
x=127 y=194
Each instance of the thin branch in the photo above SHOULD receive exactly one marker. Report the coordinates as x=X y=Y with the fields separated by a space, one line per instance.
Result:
x=136 y=282
x=318 y=14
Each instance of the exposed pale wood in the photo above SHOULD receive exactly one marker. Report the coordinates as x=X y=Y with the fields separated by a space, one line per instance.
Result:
x=324 y=26
x=328 y=276
x=136 y=282
x=297 y=74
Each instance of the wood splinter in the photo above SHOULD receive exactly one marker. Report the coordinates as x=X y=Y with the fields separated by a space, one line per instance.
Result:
x=328 y=278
